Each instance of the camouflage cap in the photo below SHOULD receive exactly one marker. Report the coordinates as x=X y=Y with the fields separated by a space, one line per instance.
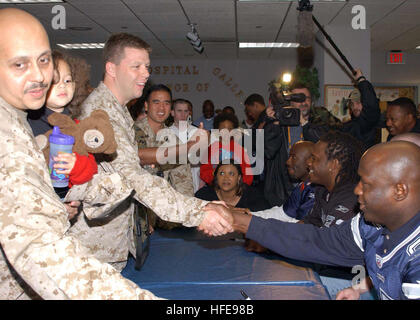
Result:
x=355 y=95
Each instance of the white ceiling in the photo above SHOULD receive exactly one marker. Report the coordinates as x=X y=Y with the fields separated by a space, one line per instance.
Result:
x=222 y=24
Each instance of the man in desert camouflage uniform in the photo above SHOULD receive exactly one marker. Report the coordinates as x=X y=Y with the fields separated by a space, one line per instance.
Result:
x=178 y=175
x=126 y=62
x=151 y=135
x=37 y=259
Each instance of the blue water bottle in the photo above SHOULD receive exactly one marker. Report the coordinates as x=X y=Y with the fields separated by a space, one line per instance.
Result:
x=59 y=143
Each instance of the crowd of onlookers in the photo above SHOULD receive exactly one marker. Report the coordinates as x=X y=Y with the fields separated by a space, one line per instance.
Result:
x=323 y=191
x=274 y=184
x=310 y=170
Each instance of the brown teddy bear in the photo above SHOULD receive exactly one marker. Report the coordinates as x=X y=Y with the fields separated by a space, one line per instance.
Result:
x=91 y=135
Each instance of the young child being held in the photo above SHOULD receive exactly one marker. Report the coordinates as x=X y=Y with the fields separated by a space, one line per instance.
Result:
x=79 y=168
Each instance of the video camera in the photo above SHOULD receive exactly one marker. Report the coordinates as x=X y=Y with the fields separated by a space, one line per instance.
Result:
x=286 y=115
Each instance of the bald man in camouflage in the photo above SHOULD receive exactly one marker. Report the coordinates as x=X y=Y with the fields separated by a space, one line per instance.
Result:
x=38 y=259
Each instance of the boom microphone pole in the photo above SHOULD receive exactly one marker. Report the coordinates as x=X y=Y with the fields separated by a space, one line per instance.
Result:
x=305 y=31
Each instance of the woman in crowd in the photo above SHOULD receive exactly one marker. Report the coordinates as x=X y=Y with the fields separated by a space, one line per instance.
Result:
x=228 y=186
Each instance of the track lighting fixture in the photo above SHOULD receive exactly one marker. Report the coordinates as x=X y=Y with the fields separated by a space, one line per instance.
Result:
x=194 y=39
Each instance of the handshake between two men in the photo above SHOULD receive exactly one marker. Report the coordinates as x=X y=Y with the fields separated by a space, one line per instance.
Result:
x=222 y=219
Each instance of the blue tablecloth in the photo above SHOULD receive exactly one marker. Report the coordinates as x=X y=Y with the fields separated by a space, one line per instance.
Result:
x=184 y=264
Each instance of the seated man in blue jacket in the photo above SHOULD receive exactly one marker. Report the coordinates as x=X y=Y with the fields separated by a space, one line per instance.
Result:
x=384 y=236
x=332 y=168
x=302 y=198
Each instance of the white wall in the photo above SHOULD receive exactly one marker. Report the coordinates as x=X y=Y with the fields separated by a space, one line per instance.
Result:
x=396 y=75
x=353 y=44
x=227 y=82
x=230 y=82
x=94 y=58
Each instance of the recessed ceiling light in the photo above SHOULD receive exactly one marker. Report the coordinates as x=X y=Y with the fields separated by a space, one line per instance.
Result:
x=418 y=47
x=319 y=1
x=29 y=1
x=79 y=28
x=268 y=45
x=81 y=45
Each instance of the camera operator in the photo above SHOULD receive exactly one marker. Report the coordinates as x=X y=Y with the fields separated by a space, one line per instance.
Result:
x=314 y=121
x=283 y=127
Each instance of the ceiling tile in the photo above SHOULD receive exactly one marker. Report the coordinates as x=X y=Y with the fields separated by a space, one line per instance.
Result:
x=395 y=24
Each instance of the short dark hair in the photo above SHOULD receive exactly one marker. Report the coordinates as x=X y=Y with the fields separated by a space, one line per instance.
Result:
x=347 y=150
x=116 y=43
x=157 y=87
x=208 y=101
x=228 y=108
x=298 y=85
x=255 y=97
x=225 y=117
x=137 y=108
x=183 y=101
x=406 y=104
x=301 y=85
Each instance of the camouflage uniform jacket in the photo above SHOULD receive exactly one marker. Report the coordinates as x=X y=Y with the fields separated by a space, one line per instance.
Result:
x=179 y=175
x=321 y=115
x=35 y=252
x=320 y=122
x=105 y=198
x=152 y=191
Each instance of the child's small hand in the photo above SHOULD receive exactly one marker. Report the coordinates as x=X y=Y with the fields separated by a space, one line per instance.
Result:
x=64 y=162
x=72 y=208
